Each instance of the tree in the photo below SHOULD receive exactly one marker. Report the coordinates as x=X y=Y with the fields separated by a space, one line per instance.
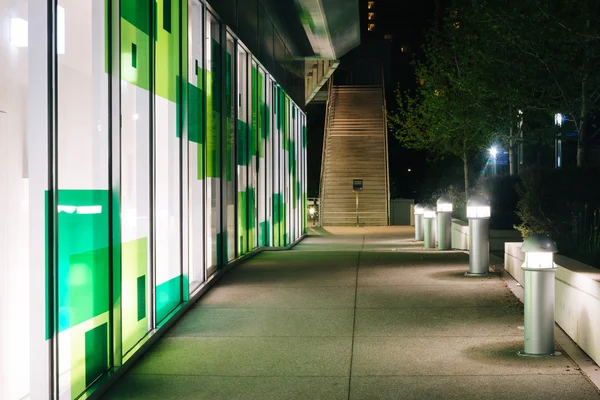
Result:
x=561 y=39
x=448 y=112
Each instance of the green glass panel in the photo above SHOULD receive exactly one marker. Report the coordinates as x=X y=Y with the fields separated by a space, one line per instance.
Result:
x=137 y=13
x=96 y=353
x=168 y=296
x=195 y=114
x=167 y=51
x=242 y=143
x=220 y=248
x=141 y=297
x=229 y=117
x=83 y=224
x=263 y=233
x=242 y=223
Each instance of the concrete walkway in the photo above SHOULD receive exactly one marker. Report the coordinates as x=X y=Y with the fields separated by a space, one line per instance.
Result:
x=357 y=313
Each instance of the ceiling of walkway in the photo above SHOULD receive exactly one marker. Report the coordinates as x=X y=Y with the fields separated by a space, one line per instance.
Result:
x=320 y=29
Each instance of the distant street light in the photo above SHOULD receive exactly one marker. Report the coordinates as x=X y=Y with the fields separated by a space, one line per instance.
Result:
x=493 y=152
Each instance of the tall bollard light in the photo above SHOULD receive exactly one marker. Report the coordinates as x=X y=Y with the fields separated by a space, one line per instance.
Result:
x=444 y=223
x=428 y=217
x=539 y=270
x=419 y=222
x=478 y=213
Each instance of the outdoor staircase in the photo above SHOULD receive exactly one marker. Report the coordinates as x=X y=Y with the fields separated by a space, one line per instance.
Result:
x=355 y=147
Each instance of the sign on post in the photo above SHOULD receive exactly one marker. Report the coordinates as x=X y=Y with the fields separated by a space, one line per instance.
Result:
x=357 y=186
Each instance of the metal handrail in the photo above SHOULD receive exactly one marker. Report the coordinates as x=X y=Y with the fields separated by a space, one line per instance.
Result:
x=385 y=139
x=328 y=116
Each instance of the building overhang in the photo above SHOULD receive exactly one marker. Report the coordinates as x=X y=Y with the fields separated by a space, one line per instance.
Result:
x=316 y=29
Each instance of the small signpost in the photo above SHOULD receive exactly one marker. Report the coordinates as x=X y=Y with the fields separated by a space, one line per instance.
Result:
x=357 y=186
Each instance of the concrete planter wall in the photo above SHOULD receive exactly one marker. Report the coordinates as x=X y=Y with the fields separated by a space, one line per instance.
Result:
x=577 y=306
x=460 y=236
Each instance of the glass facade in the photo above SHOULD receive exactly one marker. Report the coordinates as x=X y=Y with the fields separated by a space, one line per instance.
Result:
x=143 y=149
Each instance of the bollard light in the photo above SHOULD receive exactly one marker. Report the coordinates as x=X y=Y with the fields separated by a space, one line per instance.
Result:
x=428 y=216
x=444 y=223
x=478 y=213
x=419 y=208
x=538 y=272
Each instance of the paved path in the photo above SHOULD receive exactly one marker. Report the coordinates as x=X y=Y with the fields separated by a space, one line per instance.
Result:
x=359 y=313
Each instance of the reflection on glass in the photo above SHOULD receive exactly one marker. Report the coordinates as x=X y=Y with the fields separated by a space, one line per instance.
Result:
x=14 y=203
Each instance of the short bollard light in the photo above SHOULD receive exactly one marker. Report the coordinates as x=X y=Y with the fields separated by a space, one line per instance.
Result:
x=539 y=270
x=478 y=213
x=419 y=208
x=444 y=223
x=428 y=217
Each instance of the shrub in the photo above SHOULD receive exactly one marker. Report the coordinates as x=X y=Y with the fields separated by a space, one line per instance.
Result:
x=563 y=204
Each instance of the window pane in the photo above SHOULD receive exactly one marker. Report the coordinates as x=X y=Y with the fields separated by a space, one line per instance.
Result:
x=14 y=208
x=262 y=134
x=136 y=134
x=269 y=160
x=229 y=167
x=196 y=147
x=242 y=152
x=83 y=197
x=167 y=146
x=252 y=159
x=213 y=143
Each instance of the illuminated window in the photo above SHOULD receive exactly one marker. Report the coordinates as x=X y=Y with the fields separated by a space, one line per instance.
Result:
x=404 y=49
x=371 y=27
x=388 y=36
x=371 y=16
x=370 y=5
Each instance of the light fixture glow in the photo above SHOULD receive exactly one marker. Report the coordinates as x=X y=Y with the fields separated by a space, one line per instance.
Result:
x=478 y=212
x=67 y=209
x=89 y=210
x=558 y=119
x=444 y=207
x=19 y=36
x=60 y=30
x=80 y=209
x=311 y=211
x=493 y=151
x=429 y=212
x=539 y=260
x=136 y=117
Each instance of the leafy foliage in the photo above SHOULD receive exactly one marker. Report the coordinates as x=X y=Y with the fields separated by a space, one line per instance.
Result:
x=564 y=204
